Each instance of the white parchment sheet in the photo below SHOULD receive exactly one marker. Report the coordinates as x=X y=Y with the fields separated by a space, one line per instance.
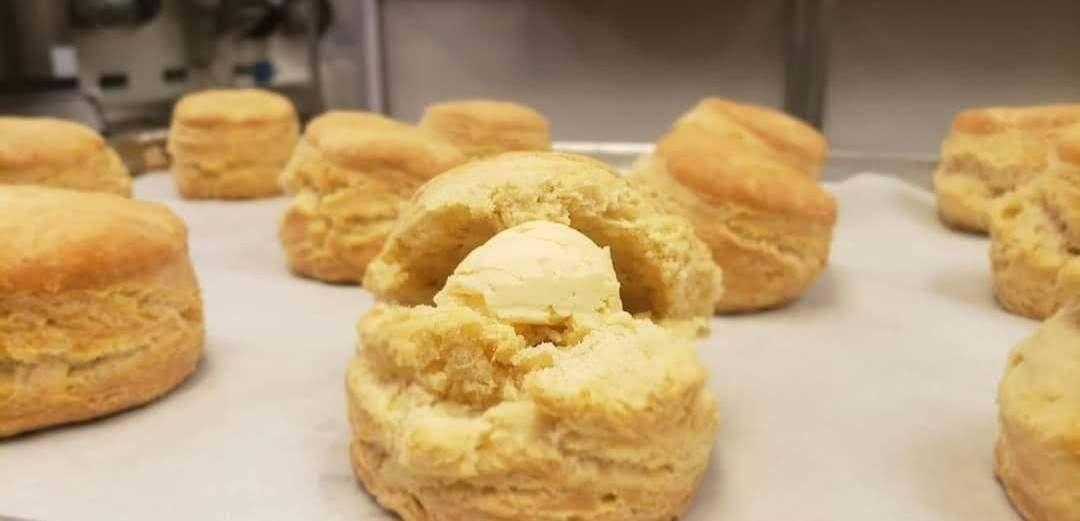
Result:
x=871 y=398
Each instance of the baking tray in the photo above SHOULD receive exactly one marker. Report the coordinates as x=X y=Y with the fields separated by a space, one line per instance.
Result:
x=871 y=397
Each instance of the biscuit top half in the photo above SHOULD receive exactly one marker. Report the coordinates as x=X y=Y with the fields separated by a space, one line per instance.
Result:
x=506 y=378
x=663 y=267
x=764 y=129
x=363 y=141
x=57 y=240
x=229 y=107
x=29 y=142
x=721 y=172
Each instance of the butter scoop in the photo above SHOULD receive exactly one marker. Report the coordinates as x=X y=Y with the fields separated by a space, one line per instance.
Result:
x=538 y=272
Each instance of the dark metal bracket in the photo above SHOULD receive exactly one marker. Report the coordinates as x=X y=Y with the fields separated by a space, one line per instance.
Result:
x=807 y=34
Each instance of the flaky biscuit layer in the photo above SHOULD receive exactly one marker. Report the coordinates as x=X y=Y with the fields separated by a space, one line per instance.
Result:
x=456 y=416
x=663 y=268
x=59 y=154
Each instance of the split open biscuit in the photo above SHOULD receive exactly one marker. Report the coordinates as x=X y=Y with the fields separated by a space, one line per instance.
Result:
x=527 y=392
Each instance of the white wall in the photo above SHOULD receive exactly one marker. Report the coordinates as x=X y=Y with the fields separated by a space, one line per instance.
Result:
x=603 y=70
x=899 y=70
x=622 y=70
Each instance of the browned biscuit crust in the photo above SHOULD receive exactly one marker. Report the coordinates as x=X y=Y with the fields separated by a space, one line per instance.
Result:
x=99 y=306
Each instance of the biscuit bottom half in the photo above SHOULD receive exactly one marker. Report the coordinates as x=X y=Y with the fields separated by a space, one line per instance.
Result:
x=462 y=501
x=81 y=354
x=963 y=201
x=1033 y=249
x=1036 y=481
x=458 y=416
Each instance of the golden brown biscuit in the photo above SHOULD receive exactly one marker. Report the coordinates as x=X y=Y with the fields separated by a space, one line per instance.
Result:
x=760 y=130
x=768 y=225
x=99 y=307
x=348 y=176
x=527 y=393
x=486 y=127
x=1035 y=237
x=60 y=154
x=664 y=269
x=455 y=415
x=1038 y=452
x=231 y=143
x=990 y=152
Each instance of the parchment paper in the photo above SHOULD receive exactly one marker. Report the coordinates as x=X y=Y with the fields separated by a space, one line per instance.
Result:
x=871 y=398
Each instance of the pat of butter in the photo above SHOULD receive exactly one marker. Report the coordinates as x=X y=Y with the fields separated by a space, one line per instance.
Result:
x=538 y=272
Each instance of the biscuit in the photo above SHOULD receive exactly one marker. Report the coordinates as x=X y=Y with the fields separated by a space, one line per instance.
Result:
x=1035 y=237
x=350 y=173
x=664 y=269
x=59 y=154
x=990 y=152
x=231 y=143
x=760 y=130
x=486 y=127
x=527 y=392
x=1037 y=458
x=768 y=226
x=457 y=416
x=99 y=307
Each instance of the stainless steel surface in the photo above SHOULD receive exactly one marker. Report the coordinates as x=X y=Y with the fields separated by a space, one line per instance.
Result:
x=137 y=72
x=619 y=155
x=915 y=169
x=142 y=151
x=63 y=104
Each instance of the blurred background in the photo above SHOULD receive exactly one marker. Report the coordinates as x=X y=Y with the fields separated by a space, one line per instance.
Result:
x=882 y=78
